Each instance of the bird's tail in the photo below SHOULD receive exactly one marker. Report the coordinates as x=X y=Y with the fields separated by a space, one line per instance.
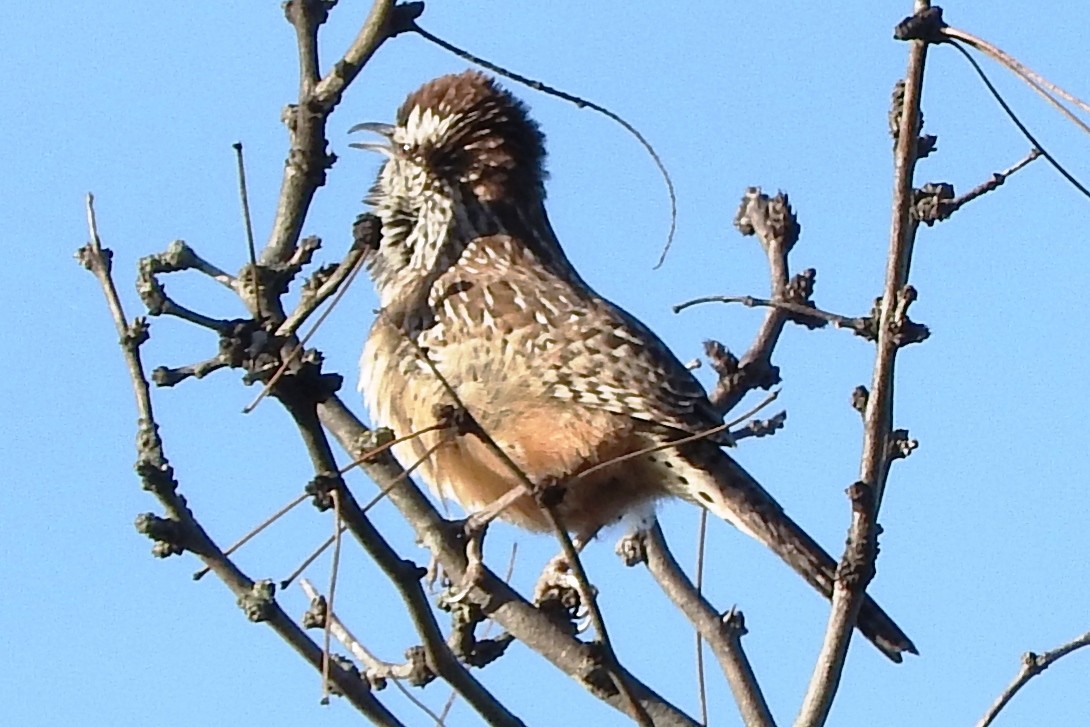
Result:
x=720 y=485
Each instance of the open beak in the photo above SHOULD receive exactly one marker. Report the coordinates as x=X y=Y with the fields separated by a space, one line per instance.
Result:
x=383 y=146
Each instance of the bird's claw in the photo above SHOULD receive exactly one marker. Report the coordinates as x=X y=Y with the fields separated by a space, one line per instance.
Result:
x=557 y=589
x=473 y=529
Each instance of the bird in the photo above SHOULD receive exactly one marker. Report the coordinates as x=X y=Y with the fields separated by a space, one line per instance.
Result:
x=480 y=308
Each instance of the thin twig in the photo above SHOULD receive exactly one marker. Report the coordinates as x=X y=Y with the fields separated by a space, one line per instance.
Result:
x=678 y=442
x=372 y=453
x=180 y=256
x=251 y=249
x=284 y=583
x=382 y=493
x=166 y=376
x=1017 y=121
x=992 y=184
x=254 y=532
x=334 y=567
x=1032 y=665
x=1036 y=81
x=344 y=274
x=375 y=667
x=702 y=689
x=797 y=309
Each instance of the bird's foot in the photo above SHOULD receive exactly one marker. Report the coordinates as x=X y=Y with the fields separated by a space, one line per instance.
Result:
x=473 y=531
x=557 y=592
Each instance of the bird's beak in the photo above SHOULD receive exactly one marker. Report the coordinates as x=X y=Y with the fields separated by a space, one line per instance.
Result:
x=382 y=146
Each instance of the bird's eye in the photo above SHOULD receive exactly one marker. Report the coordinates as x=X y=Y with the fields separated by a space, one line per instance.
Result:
x=407 y=148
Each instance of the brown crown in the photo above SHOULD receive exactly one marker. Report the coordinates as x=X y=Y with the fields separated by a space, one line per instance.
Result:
x=494 y=146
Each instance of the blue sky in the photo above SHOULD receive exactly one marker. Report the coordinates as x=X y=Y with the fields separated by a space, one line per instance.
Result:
x=984 y=551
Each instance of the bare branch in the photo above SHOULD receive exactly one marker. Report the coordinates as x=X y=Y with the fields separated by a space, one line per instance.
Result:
x=802 y=312
x=323 y=286
x=1032 y=665
x=936 y=202
x=166 y=376
x=774 y=223
x=857 y=565
x=156 y=474
x=308 y=160
x=404 y=574
x=724 y=635
x=377 y=672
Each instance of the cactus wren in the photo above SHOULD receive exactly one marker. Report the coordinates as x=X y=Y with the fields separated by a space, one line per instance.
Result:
x=470 y=275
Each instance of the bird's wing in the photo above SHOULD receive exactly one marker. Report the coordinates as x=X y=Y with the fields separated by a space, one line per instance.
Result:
x=606 y=358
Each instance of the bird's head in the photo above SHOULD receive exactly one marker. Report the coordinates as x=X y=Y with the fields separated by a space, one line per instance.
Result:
x=461 y=146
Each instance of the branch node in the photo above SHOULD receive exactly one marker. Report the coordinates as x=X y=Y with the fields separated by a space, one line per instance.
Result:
x=169 y=535
x=904 y=330
x=925 y=25
x=860 y=396
x=260 y=603
x=463 y=641
x=757 y=374
x=315 y=615
x=760 y=427
x=932 y=202
x=403 y=18
x=99 y=261
x=900 y=445
x=925 y=144
x=771 y=219
x=856 y=568
x=321 y=489
x=556 y=594
x=420 y=674
x=374 y=444
x=734 y=623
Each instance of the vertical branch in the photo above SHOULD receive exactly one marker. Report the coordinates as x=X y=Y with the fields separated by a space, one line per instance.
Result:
x=857 y=566
x=307 y=159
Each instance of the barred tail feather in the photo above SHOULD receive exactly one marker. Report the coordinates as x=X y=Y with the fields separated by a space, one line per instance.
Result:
x=720 y=485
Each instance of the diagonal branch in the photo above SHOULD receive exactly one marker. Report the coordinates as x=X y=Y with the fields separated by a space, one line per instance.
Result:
x=255 y=598
x=581 y=661
x=773 y=222
x=1032 y=665
x=404 y=574
x=936 y=202
x=723 y=634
